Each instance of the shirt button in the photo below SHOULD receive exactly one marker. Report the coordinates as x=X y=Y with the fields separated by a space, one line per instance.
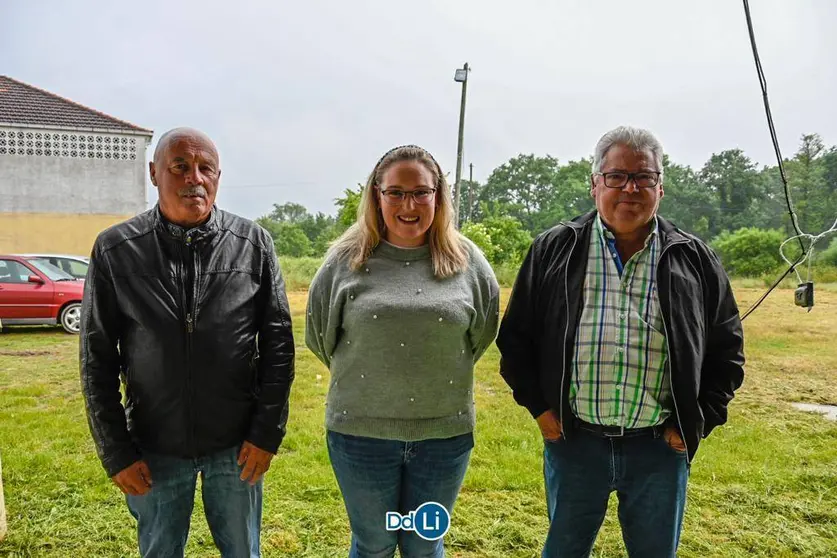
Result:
x=451 y=382
x=375 y=317
x=418 y=291
x=412 y=400
x=620 y=350
x=622 y=316
x=348 y=342
x=407 y=264
x=441 y=319
x=460 y=412
x=352 y=297
x=363 y=375
x=345 y=412
x=402 y=344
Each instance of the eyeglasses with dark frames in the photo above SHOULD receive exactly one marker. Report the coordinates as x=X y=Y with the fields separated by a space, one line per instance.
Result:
x=396 y=196
x=644 y=179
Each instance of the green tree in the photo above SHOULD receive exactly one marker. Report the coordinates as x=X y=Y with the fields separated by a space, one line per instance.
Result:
x=313 y=226
x=811 y=194
x=289 y=213
x=737 y=187
x=290 y=240
x=347 y=206
x=570 y=195
x=522 y=188
x=686 y=200
x=829 y=165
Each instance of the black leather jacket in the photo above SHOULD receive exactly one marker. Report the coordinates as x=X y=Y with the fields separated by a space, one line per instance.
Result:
x=703 y=330
x=197 y=324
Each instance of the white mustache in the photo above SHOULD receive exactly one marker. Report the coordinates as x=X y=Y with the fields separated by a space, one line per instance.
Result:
x=192 y=191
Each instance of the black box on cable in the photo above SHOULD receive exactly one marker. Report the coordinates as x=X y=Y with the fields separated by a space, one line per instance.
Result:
x=804 y=295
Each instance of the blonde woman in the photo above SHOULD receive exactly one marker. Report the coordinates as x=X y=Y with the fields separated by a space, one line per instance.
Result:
x=400 y=311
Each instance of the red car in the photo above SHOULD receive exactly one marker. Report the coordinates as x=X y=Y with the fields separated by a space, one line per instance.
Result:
x=34 y=292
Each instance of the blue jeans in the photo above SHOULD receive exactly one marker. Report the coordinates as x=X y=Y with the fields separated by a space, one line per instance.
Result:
x=233 y=508
x=380 y=476
x=649 y=478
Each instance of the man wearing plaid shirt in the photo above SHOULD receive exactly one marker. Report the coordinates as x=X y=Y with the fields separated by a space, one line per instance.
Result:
x=622 y=339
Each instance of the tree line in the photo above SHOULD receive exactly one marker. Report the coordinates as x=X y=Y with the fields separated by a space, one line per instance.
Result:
x=730 y=202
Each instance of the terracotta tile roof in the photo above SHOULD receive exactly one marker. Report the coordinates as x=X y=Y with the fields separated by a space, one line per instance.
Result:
x=21 y=103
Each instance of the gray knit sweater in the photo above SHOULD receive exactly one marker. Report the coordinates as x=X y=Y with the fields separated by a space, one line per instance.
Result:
x=400 y=343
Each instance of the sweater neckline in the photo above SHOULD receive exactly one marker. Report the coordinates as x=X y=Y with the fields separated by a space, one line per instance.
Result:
x=393 y=252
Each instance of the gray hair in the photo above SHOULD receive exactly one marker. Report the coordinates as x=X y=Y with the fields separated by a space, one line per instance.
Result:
x=635 y=138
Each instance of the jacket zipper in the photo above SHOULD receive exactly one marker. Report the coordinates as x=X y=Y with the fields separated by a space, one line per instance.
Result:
x=566 y=334
x=668 y=345
x=190 y=327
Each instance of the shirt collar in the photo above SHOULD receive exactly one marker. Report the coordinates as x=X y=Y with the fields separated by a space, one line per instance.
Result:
x=607 y=235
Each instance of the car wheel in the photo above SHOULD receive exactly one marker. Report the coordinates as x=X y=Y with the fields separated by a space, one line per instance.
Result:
x=71 y=318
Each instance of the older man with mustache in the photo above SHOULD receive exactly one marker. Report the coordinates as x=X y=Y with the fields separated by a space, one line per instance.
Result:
x=623 y=341
x=186 y=305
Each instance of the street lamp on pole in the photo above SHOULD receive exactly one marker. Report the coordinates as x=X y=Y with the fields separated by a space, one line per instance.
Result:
x=461 y=76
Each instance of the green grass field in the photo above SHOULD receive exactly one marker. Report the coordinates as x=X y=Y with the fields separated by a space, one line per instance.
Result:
x=763 y=485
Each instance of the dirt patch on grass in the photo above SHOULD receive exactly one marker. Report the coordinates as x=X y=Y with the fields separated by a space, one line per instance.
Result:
x=27 y=353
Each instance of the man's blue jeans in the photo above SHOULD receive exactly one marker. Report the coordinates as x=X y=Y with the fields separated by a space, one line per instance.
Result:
x=233 y=508
x=380 y=476
x=649 y=478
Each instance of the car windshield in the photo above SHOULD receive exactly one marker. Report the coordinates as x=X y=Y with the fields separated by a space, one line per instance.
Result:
x=51 y=271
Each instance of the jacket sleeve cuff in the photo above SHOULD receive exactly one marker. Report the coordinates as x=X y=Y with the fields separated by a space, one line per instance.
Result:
x=266 y=443
x=538 y=408
x=118 y=461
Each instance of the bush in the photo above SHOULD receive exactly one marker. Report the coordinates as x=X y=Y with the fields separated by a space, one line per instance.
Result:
x=503 y=240
x=298 y=272
x=506 y=274
x=510 y=239
x=290 y=240
x=749 y=252
x=829 y=255
x=479 y=235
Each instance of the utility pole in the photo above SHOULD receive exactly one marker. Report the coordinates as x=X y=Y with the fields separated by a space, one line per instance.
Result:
x=470 y=191
x=461 y=76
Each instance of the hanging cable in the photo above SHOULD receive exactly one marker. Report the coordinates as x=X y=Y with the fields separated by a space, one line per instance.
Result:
x=806 y=252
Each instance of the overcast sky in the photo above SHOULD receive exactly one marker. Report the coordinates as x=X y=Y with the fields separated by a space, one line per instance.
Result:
x=303 y=97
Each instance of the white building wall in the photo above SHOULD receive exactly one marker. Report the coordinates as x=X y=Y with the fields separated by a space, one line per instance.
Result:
x=72 y=171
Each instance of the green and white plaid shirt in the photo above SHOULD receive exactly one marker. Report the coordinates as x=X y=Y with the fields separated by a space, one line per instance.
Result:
x=618 y=376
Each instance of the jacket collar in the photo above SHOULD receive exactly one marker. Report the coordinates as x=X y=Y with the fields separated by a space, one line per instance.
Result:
x=195 y=234
x=668 y=231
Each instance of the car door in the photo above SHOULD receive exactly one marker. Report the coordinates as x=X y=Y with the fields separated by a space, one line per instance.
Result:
x=18 y=297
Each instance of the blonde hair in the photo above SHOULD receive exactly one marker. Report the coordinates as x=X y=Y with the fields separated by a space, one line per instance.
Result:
x=447 y=249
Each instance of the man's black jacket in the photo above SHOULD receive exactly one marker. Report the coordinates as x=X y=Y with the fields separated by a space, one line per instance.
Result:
x=197 y=324
x=702 y=327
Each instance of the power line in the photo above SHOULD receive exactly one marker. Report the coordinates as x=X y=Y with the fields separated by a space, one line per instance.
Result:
x=268 y=185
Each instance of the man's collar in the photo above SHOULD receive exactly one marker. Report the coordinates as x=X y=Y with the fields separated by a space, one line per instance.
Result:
x=606 y=233
x=193 y=234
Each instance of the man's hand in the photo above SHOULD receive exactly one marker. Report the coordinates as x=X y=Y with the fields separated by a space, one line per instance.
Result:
x=134 y=480
x=550 y=426
x=673 y=439
x=255 y=462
